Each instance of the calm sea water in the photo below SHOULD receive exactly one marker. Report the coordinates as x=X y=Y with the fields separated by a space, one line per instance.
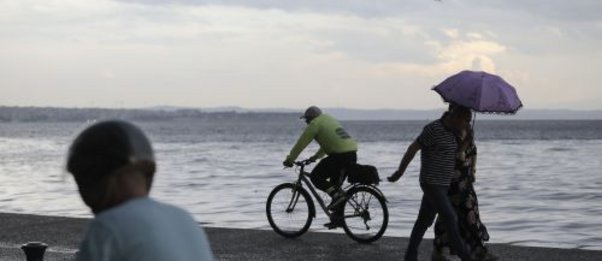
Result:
x=539 y=182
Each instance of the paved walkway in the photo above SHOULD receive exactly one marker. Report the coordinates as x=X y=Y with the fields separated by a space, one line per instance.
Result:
x=63 y=235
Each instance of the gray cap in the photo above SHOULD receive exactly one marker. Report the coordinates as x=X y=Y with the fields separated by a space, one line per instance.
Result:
x=311 y=113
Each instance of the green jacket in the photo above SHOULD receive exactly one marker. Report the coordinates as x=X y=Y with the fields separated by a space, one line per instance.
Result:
x=329 y=133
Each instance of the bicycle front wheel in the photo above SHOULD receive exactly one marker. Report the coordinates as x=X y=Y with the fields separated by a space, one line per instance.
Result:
x=289 y=210
x=365 y=215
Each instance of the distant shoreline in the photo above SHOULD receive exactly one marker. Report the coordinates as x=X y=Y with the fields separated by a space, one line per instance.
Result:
x=58 y=114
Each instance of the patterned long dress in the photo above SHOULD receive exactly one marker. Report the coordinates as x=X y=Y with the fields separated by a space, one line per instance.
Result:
x=464 y=199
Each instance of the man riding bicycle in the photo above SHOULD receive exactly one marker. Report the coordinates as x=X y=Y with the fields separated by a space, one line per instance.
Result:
x=335 y=142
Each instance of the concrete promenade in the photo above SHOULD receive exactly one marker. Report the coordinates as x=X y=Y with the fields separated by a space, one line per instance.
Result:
x=63 y=235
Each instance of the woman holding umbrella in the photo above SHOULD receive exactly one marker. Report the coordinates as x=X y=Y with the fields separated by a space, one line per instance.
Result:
x=464 y=201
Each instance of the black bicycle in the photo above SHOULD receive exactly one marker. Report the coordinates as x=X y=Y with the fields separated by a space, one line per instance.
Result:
x=290 y=208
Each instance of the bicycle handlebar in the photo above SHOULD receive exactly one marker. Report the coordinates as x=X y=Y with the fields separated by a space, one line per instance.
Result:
x=303 y=162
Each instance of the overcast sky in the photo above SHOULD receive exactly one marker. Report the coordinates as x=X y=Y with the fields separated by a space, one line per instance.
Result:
x=291 y=54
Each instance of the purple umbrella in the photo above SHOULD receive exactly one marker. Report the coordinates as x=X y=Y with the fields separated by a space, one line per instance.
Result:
x=480 y=91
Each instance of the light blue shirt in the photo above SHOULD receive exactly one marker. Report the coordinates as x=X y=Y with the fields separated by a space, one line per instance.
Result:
x=144 y=229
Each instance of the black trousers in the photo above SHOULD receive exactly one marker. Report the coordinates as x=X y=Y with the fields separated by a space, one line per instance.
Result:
x=435 y=201
x=328 y=171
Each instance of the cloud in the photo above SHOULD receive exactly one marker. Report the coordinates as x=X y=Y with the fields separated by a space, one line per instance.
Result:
x=552 y=9
x=461 y=51
x=474 y=36
x=281 y=54
x=483 y=63
x=583 y=10
x=108 y=74
x=451 y=33
x=353 y=7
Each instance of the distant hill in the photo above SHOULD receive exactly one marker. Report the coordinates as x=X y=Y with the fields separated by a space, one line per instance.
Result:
x=535 y=114
x=33 y=114
x=399 y=114
x=53 y=114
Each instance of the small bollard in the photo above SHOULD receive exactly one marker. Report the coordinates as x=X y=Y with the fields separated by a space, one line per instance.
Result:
x=34 y=251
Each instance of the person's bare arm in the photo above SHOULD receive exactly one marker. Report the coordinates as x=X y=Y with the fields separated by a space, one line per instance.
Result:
x=405 y=161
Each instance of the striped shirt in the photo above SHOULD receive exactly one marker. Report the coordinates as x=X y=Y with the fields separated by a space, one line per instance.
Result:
x=438 y=154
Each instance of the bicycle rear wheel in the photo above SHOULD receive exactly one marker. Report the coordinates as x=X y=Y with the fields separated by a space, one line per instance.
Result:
x=290 y=210
x=365 y=214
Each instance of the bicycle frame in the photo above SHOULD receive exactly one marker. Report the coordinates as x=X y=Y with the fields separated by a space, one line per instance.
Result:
x=304 y=178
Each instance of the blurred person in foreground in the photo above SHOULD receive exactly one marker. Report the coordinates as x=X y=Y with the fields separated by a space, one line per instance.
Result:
x=438 y=146
x=113 y=165
x=337 y=144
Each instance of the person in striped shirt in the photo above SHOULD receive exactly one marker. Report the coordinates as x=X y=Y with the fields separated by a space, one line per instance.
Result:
x=438 y=146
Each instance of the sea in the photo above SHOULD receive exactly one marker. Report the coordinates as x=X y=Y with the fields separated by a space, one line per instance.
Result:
x=539 y=183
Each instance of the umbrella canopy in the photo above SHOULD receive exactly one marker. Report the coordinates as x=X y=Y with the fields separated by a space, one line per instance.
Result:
x=480 y=91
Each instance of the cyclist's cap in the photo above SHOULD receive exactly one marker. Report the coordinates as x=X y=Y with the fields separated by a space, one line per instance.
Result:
x=311 y=112
x=107 y=146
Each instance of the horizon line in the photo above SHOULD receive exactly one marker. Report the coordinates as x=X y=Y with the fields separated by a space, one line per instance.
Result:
x=272 y=109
